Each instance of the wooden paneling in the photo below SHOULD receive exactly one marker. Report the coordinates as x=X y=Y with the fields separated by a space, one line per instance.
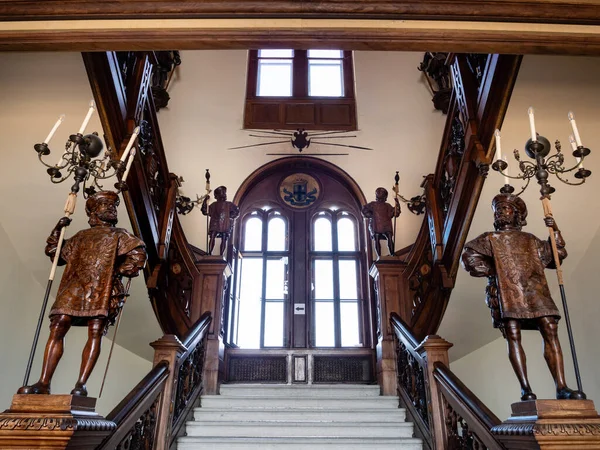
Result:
x=309 y=113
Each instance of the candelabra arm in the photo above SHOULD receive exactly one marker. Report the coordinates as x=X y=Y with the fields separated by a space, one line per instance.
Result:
x=566 y=181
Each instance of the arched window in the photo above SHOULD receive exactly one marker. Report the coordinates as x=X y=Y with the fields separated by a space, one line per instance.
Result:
x=299 y=260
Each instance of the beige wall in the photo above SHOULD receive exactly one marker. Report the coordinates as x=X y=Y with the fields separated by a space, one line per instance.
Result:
x=395 y=117
x=553 y=86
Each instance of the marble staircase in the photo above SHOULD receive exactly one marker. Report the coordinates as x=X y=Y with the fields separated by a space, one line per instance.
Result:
x=262 y=416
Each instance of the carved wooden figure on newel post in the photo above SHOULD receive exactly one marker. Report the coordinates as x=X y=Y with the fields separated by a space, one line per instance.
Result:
x=517 y=291
x=222 y=216
x=91 y=292
x=380 y=215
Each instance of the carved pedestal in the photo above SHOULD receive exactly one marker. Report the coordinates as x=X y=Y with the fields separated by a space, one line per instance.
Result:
x=52 y=422
x=391 y=288
x=551 y=425
x=214 y=272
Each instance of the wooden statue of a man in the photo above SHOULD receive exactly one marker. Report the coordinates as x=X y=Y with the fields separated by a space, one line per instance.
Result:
x=517 y=291
x=222 y=216
x=91 y=292
x=380 y=215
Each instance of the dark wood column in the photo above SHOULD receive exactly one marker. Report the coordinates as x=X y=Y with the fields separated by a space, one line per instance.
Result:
x=214 y=273
x=392 y=295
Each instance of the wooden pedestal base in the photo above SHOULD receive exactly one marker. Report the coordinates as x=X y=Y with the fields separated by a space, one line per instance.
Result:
x=52 y=422
x=551 y=425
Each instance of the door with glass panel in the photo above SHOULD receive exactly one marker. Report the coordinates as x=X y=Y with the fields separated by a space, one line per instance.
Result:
x=298 y=280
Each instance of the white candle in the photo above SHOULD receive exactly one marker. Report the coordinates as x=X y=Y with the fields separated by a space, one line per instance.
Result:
x=129 y=165
x=498 y=148
x=532 y=125
x=87 y=117
x=136 y=131
x=575 y=130
x=54 y=128
x=506 y=180
x=574 y=147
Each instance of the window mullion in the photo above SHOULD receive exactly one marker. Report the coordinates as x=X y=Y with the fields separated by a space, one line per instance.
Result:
x=336 y=283
x=265 y=235
x=300 y=74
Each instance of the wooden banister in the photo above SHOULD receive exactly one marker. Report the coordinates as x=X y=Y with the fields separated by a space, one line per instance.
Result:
x=154 y=411
x=467 y=421
x=136 y=414
x=446 y=414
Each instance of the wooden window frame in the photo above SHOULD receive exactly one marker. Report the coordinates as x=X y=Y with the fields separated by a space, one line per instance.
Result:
x=300 y=110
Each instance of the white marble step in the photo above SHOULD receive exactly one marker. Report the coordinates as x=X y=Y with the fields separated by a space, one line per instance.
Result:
x=304 y=443
x=299 y=429
x=307 y=414
x=322 y=402
x=315 y=390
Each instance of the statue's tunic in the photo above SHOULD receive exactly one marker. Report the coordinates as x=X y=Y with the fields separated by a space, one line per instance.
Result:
x=96 y=260
x=518 y=260
x=379 y=214
x=221 y=213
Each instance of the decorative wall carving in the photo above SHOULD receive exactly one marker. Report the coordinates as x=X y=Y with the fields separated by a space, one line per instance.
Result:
x=156 y=183
x=434 y=67
x=451 y=164
x=55 y=423
x=180 y=280
x=166 y=63
x=419 y=282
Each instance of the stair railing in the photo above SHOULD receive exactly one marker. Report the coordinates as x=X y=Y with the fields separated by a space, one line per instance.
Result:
x=151 y=416
x=446 y=414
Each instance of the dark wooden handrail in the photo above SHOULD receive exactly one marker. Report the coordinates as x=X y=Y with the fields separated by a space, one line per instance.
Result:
x=197 y=331
x=133 y=406
x=467 y=398
x=402 y=330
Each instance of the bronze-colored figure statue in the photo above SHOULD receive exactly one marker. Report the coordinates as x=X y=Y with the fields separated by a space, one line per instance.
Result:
x=222 y=216
x=517 y=290
x=91 y=292
x=380 y=215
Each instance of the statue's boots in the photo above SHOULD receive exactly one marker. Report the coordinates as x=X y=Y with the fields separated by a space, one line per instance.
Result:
x=527 y=395
x=80 y=390
x=569 y=394
x=37 y=388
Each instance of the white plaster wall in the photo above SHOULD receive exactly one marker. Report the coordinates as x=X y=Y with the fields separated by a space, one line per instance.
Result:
x=553 y=86
x=395 y=117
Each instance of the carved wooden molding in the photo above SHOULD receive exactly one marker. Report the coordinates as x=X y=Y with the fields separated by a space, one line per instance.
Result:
x=384 y=34
x=482 y=10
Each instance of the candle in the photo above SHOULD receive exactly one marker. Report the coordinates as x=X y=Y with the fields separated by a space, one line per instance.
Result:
x=574 y=147
x=498 y=148
x=136 y=131
x=54 y=128
x=506 y=180
x=129 y=165
x=575 y=130
x=87 y=117
x=532 y=125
